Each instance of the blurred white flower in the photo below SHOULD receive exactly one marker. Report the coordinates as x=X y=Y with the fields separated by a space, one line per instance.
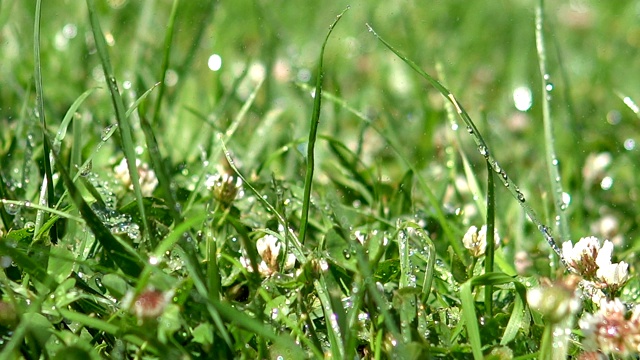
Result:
x=147 y=177
x=225 y=188
x=557 y=300
x=613 y=276
x=476 y=241
x=611 y=330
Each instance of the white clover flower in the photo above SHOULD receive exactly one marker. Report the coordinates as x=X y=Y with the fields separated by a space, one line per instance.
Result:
x=558 y=300
x=225 y=188
x=269 y=248
x=592 y=261
x=147 y=177
x=610 y=330
x=614 y=276
x=582 y=256
x=476 y=241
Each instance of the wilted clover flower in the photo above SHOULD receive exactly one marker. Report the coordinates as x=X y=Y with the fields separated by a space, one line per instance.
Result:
x=612 y=330
x=557 y=300
x=149 y=304
x=147 y=177
x=476 y=241
x=269 y=248
x=225 y=188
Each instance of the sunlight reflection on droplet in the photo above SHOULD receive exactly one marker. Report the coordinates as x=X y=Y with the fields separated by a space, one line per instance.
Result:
x=606 y=183
x=522 y=98
x=629 y=144
x=215 y=62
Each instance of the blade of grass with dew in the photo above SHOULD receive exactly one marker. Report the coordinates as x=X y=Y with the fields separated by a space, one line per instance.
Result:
x=127 y=261
x=139 y=100
x=47 y=196
x=549 y=141
x=7 y=219
x=482 y=147
x=454 y=240
x=168 y=42
x=118 y=105
x=628 y=101
x=313 y=131
x=470 y=175
x=491 y=246
x=334 y=332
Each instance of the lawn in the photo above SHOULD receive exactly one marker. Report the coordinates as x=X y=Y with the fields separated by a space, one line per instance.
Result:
x=346 y=180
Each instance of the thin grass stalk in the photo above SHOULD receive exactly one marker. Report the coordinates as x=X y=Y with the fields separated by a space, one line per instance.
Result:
x=118 y=104
x=549 y=141
x=491 y=246
x=168 y=40
x=47 y=195
x=313 y=132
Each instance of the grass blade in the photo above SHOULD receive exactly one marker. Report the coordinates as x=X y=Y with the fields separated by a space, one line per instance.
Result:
x=118 y=104
x=313 y=131
x=47 y=195
x=128 y=262
x=482 y=146
x=549 y=141
x=168 y=40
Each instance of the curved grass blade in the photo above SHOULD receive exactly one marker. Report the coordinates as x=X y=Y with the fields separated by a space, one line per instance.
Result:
x=118 y=104
x=313 y=131
x=549 y=141
x=482 y=147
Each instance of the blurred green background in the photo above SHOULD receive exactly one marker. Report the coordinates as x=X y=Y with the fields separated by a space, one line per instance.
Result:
x=486 y=50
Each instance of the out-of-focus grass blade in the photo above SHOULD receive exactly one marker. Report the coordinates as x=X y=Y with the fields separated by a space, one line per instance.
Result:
x=47 y=196
x=118 y=104
x=168 y=40
x=139 y=100
x=27 y=263
x=549 y=140
x=128 y=262
x=334 y=332
x=313 y=131
x=62 y=131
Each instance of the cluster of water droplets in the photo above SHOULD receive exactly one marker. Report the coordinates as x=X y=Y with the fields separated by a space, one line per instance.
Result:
x=117 y=223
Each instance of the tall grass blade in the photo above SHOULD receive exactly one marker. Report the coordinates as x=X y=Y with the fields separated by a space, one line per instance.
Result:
x=118 y=104
x=47 y=195
x=168 y=40
x=313 y=131
x=483 y=149
x=549 y=141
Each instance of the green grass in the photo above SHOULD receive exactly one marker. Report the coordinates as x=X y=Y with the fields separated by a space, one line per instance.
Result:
x=366 y=150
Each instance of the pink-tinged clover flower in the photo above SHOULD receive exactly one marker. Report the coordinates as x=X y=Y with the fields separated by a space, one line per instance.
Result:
x=612 y=330
x=147 y=305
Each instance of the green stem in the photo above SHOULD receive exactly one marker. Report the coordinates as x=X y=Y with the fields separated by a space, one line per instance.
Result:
x=490 y=251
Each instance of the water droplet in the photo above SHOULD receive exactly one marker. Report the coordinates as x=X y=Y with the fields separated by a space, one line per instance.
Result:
x=549 y=87
x=108 y=131
x=520 y=196
x=11 y=208
x=470 y=130
x=483 y=151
